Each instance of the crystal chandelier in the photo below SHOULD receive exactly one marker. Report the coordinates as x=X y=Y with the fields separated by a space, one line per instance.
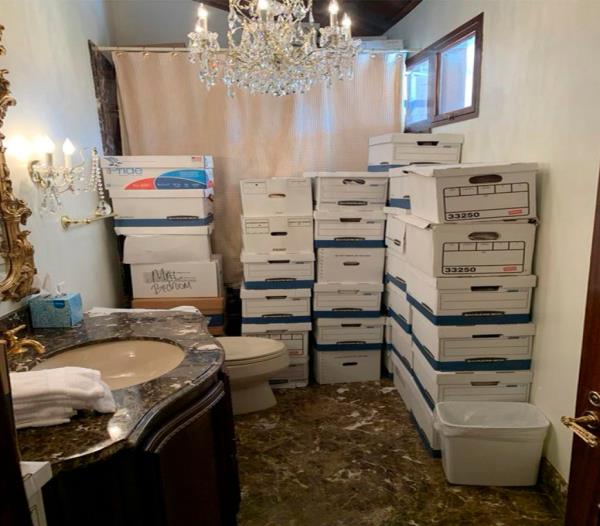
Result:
x=275 y=47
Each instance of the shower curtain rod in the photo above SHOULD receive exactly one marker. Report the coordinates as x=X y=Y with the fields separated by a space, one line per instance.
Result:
x=151 y=49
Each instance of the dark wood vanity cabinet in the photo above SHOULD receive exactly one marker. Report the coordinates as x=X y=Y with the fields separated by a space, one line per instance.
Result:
x=183 y=472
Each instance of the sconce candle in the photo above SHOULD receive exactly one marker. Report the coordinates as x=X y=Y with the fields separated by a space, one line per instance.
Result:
x=68 y=151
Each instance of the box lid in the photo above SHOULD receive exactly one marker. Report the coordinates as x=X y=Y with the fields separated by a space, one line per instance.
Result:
x=375 y=215
x=446 y=138
x=483 y=377
x=276 y=293
x=471 y=169
x=158 y=161
x=277 y=257
x=270 y=328
x=467 y=331
x=348 y=287
x=351 y=322
x=120 y=193
x=347 y=175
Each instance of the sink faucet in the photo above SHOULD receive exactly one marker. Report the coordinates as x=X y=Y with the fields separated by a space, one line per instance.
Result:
x=18 y=346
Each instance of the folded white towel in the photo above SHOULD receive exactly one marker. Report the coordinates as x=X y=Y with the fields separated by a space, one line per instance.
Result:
x=44 y=417
x=48 y=384
x=105 y=311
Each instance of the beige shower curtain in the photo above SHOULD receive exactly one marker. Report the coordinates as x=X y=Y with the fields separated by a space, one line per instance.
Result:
x=165 y=110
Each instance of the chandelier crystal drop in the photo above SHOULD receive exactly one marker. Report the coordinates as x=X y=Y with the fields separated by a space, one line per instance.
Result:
x=274 y=47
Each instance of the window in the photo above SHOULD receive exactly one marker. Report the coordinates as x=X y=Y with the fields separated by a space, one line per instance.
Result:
x=442 y=81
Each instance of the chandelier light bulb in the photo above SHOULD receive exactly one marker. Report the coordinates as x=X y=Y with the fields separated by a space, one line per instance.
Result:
x=263 y=5
x=334 y=9
x=68 y=148
x=19 y=147
x=44 y=144
x=202 y=12
x=347 y=25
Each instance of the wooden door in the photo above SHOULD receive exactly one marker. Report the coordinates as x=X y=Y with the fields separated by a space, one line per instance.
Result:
x=583 y=504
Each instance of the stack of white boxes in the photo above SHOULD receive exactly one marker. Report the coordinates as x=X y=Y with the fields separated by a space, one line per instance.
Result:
x=164 y=208
x=278 y=262
x=468 y=245
x=390 y=153
x=349 y=232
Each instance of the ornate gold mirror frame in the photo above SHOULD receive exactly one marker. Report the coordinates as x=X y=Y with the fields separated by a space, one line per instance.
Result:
x=14 y=247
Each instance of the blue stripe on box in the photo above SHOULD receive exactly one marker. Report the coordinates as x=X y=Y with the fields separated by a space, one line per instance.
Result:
x=383 y=167
x=395 y=281
x=435 y=453
x=346 y=314
x=463 y=365
x=214 y=320
x=280 y=284
x=348 y=347
x=174 y=221
x=400 y=320
x=276 y=319
x=480 y=318
x=349 y=243
x=399 y=202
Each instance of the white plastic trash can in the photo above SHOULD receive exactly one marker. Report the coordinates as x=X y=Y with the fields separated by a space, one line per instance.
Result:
x=491 y=443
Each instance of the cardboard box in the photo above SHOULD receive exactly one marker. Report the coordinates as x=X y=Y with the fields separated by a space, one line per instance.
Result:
x=284 y=234
x=349 y=229
x=472 y=192
x=492 y=249
x=395 y=233
x=400 y=341
x=65 y=310
x=276 y=196
x=493 y=386
x=295 y=270
x=386 y=361
x=350 y=265
x=164 y=249
x=474 y=300
x=158 y=172
x=332 y=334
x=125 y=228
x=296 y=341
x=296 y=375
x=398 y=195
x=402 y=379
x=177 y=279
x=400 y=149
x=347 y=300
x=422 y=412
x=342 y=191
x=275 y=306
x=274 y=327
x=396 y=269
x=166 y=208
x=204 y=305
x=332 y=367
x=474 y=347
x=398 y=306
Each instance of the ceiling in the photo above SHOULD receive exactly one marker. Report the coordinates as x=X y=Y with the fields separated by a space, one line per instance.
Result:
x=369 y=17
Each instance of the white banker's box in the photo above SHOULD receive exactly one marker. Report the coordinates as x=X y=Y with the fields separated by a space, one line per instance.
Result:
x=275 y=303
x=276 y=196
x=348 y=226
x=395 y=233
x=158 y=172
x=475 y=347
x=400 y=340
x=402 y=379
x=163 y=249
x=333 y=367
x=399 y=196
x=276 y=270
x=296 y=341
x=396 y=268
x=350 y=265
x=422 y=412
x=401 y=149
x=349 y=331
x=343 y=299
x=263 y=235
x=493 y=386
x=473 y=249
x=340 y=191
x=296 y=375
x=472 y=192
x=397 y=302
x=167 y=206
x=177 y=279
x=442 y=298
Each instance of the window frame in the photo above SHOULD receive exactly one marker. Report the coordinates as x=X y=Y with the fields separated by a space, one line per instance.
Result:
x=432 y=54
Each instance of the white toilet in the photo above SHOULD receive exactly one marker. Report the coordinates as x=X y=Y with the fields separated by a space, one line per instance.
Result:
x=250 y=363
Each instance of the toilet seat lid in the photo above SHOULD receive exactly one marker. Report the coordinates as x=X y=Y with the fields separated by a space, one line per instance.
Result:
x=239 y=349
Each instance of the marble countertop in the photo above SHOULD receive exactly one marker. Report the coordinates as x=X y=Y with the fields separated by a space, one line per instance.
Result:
x=91 y=436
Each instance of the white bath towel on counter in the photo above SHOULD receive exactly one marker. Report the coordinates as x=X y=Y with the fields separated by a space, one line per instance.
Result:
x=105 y=311
x=52 y=396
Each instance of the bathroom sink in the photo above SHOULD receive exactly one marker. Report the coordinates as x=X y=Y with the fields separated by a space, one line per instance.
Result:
x=121 y=363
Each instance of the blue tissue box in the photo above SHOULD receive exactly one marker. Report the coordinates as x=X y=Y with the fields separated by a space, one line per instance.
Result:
x=56 y=311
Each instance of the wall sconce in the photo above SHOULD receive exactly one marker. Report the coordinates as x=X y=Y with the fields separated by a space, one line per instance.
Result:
x=53 y=180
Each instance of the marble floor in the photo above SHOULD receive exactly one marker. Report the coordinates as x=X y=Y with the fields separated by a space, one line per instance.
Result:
x=348 y=455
